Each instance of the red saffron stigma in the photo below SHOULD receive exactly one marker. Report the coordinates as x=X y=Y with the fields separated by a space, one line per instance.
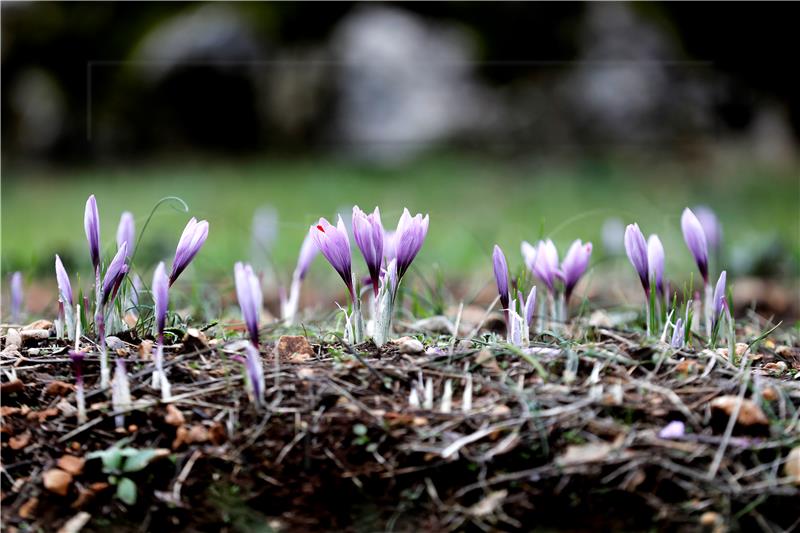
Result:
x=320 y=228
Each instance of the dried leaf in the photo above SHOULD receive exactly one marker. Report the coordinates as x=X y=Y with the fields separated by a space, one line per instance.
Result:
x=71 y=464
x=20 y=441
x=750 y=413
x=59 y=388
x=57 y=481
x=592 y=452
x=174 y=416
x=27 y=509
x=294 y=348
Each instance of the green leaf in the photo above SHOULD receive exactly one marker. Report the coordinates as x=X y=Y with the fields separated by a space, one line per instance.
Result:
x=126 y=491
x=112 y=459
x=138 y=460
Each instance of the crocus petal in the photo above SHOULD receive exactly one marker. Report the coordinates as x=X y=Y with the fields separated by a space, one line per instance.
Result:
x=636 y=248
x=126 y=231
x=16 y=294
x=546 y=265
x=528 y=254
x=575 y=263
x=248 y=291
x=91 y=223
x=334 y=244
x=115 y=272
x=695 y=239
x=64 y=286
x=192 y=239
x=501 y=275
x=255 y=374
x=368 y=234
x=160 y=290
x=655 y=261
x=674 y=430
x=710 y=223
x=409 y=237
x=530 y=306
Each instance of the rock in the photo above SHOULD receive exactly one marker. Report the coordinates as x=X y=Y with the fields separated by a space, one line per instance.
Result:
x=750 y=414
x=39 y=324
x=792 y=466
x=293 y=348
x=33 y=335
x=194 y=340
x=115 y=343
x=13 y=338
x=71 y=464
x=410 y=345
x=174 y=416
x=57 y=481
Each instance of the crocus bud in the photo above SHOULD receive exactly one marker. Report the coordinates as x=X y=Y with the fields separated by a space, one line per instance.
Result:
x=501 y=275
x=719 y=296
x=528 y=254
x=16 y=295
x=248 y=291
x=678 y=334
x=529 y=306
x=91 y=223
x=636 y=248
x=368 y=234
x=194 y=235
x=574 y=265
x=546 y=264
x=126 y=232
x=655 y=261
x=408 y=239
x=64 y=286
x=115 y=273
x=695 y=239
x=334 y=244
x=711 y=226
x=160 y=290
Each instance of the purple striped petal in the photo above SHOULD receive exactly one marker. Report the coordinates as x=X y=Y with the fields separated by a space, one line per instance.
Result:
x=501 y=275
x=695 y=239
x=655 y=261
x=248 y=291
x=368 y=234
x=64 y=286
x=408 y=239
x=91 y=223
x=194 y=235
x=160 y=290
x=334 y=244
x=126 y=231
x=636 y=248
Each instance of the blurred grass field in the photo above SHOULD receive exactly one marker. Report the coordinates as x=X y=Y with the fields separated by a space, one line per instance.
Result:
x=472 y=202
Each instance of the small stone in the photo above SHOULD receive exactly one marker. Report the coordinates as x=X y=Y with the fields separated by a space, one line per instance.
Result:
x=57 y=481
x=792 y=466
x=71 y=464
x=776 y=369
x=13 y=338
x=39 y=324
x=709 y=519
x=174 y=416
x=32 y=335
x=115 y=343
x=20 y=441
x=769 y=394
x=410 y=345
x=750 y=414
x=294 y=348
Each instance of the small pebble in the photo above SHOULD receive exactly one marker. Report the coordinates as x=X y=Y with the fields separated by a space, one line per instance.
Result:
x=410 y=346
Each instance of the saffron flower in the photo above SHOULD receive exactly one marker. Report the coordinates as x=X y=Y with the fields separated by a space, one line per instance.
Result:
x=115 y=273
x=678 y=334
x=718 y=300
x=655 y=262
x=160 y=290
x=528 y=254
x=255 y=376
x=368 y=234
x=695 y=238
x=408 y=239
x=91 y=223
x=16 y=296
x=192 y=239
x=77 y=367
x=334 y=244
x=574 y=265
x=248 y=291
x=65 y=296
x=546 y=264
x=636 y=249
x=501 y=276
x=308 y=251
x=126 y=232
x=711 y=226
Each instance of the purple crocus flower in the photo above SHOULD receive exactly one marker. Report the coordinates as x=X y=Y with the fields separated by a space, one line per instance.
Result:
x=674 y=430
x=64 y=286
x=389 y=249
x=368 y=234
x=719 y=296
x=255 y=375
x=91 y=223
x=528 y=254
x=655 y=262
x=528 y=305
x=115 y=273
x=501 y=276
x=16 y=295
x=126 y=232
x=160 y=289
x=546 y=264
x=194 y=235
x=636 y=248
x=408 y=239
x=695 y=239
x=711 y=226
x=574 y=265
x=334 y=244
x=248 y=291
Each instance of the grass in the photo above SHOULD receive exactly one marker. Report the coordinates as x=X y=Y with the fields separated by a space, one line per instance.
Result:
x=473 y=203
